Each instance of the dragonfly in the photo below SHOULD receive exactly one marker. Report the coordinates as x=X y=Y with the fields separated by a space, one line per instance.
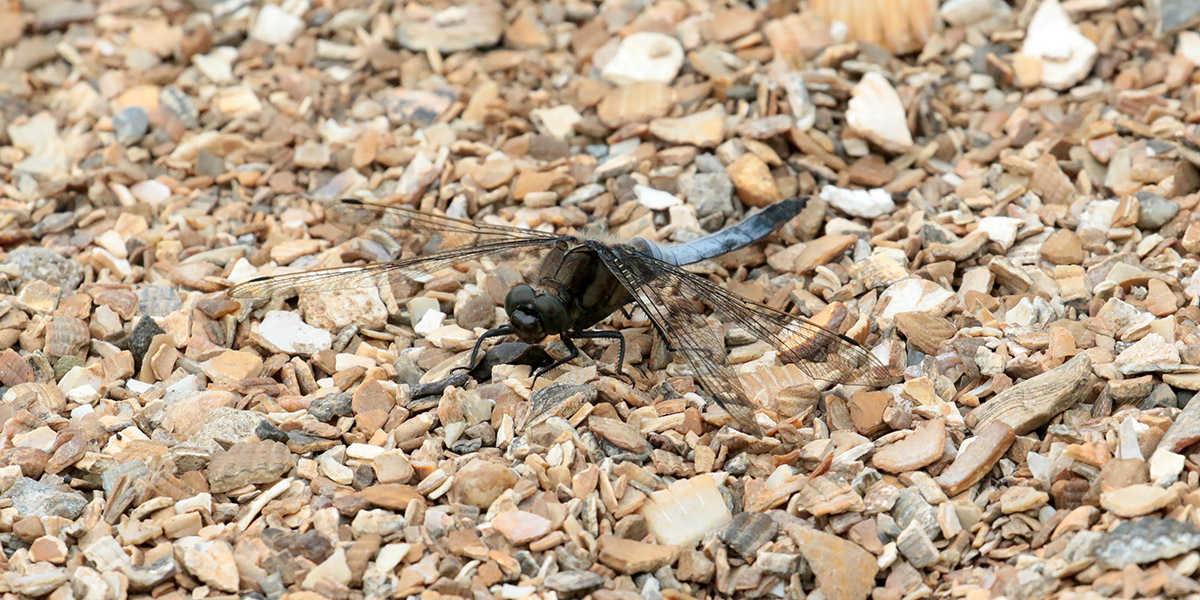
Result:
x=584 y=278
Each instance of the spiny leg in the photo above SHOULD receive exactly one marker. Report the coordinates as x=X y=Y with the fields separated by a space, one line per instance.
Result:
x=572 y=352
x=501 y=330
x=610 y=335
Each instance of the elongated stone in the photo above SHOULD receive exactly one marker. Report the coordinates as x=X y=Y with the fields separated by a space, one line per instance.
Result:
x=973 y=462
x=1032 y=403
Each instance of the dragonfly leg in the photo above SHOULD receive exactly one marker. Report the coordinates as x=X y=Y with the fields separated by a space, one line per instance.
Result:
x=616 y=335
x=572 y=352
x=502 y=330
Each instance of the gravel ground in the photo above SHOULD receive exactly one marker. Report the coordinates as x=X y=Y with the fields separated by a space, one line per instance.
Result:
x=1003 y=209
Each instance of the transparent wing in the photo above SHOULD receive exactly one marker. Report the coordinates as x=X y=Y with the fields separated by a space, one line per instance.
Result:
x=668 y=295
x=435 y=232
x=685 y=329
x=373 y=275
x=440 y=241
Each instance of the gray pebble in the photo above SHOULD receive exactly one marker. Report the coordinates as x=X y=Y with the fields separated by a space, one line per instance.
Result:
x=710 y=193
x=33 y=498
x=1156 y=211
x=35 y=262
x=131 y=124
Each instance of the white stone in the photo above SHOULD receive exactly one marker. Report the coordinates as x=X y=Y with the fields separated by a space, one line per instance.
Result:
x=859 y=203
x=34 y=135
x=284 y=332
x=1039 y=467
x=1165 y=467
x=389 y=556
x=509 y=591
x=344 y=361
x=335 y=133
x=79 y=376
x=217 y=65
x=41 y=438
x=1127 y=439
x=363 y=451
x=1098 y=215
x=419 y=173
x=151 y=191
x=84 y=394
x=1066 y=54
x=418 y=306
x=1002 y=230
x=312 y=155
x=332 y=468
x=558 y=121
x=655 y=199
x=686 y=511
x=913 y=294
x=138 y=387
x=1151 y=354
x=1187 y=45
x=1020 y=315
x=242 y=270
x=876 y=113
x=113 y=242
x=430 y=320
x=379 y=521
x=803 y=110
x=275 y=26
x=198 y=503
x=645 y=56
x=189 y=383
x=211 y=561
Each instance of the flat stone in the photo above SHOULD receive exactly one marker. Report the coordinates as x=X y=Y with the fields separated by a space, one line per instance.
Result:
x=924 y=331
x=705 y=129
x=916 y=295
x=210 y=561
x=454 y=29
x=480 y=482
x=630 y=557
x=620 y=434
x=752 y=180
x=33 y=498
x=844 y=571
x=977 y=459
x=1147 y=540
x=1022 y=498
x=876 y=113
x=284 y=332
x=1063 y=247
x=1066 y=54
x=273 y=25
x=1151 y=354
x=521 y=527
x=645 y=56
x=1137 y=500
x=919 y=449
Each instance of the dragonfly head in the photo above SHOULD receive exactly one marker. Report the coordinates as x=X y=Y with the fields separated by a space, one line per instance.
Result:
x=534 y=316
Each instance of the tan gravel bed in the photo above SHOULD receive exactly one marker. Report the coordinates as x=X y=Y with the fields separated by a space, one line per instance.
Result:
x=1003 y=209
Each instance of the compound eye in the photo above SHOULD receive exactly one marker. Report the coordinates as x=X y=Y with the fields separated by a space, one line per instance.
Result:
x=521 y=295
x=552 y=313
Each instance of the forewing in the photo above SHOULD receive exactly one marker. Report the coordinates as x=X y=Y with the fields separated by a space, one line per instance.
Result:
x=376 y=274
x=440 y=240
x=684 y=327
x=433 y=233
